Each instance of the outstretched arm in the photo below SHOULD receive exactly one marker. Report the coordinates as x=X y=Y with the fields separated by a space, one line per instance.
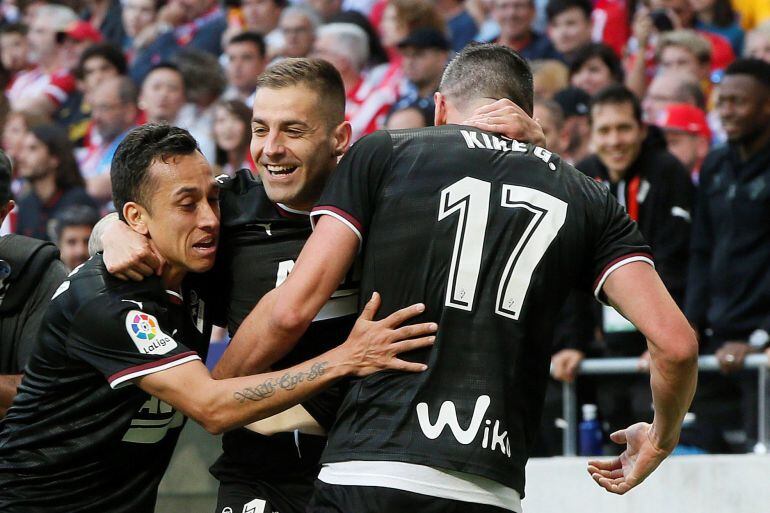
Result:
x=636 y=290
x=282 y=315
x=220 y=405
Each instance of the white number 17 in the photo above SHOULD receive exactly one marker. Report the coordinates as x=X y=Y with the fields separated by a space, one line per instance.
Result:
x=469 y=198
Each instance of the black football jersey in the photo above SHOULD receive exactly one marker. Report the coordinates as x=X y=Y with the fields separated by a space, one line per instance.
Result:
x=491 y=234
x=80 y=435
x=259 y=243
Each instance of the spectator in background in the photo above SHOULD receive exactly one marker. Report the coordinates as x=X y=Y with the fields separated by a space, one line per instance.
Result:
x=162 y=94
x=31 y=272
x=16 y=127
x=204 y=82
x=424 y=55
x=14 y=51
x=595 y=67
x=245 y=61
x=72 y=228
x=758 y=43
x=49 y=167
x=569 y=26
x=138 y=18
x=462 y=27
x=668 y=88
x=326 y=9
x=656 y=191
x=261 y=16
x=718 y=17
x=106 y=16
x=298 y=25
x=549 y=77
x=97 y=63
x=688 y=136
x=232 y=135
x=413 y=115
x=199 y=25
x=551 y=118
x=46 y=86
x=729 y=275
x=515 y=18
x=684 y=51
x=574 y=103
x=345 y=46
x=113 y=114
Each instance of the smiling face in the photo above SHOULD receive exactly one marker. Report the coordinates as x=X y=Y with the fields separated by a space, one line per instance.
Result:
x=617 y=136
x=294 y=144
x=743 y=105
x=183 y=215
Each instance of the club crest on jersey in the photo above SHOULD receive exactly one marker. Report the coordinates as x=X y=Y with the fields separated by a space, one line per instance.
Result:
x=146 y=334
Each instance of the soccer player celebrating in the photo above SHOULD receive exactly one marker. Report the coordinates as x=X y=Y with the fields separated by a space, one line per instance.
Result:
x=491 y=234
x=117 y=365
x=299 y=131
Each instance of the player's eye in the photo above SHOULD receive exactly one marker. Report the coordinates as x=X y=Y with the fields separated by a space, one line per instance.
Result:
x=259 y=131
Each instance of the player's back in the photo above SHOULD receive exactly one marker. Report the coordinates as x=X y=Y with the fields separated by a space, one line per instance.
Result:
x=491 y=234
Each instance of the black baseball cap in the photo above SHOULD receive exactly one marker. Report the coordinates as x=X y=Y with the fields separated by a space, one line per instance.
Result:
x=5 y=178
x=573 y=101
x=425 y=38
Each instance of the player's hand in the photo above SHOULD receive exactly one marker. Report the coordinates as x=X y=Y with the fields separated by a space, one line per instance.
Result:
x=129 y=255
x=506 y=118
x=374 y=345
x=641 y=457
x=565 y=364
x=731 y=356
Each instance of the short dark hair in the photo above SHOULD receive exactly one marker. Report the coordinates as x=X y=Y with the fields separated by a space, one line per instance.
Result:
x=556 y=7
x=616 y=95
x=599 y=51
x=74 y=215
x=203 y=76
x=14 y=28
x=758 y=69
x=254 y=38
x=57 y=142
x=165 y=65
x=143 y=146
x=315 y=74
x=106 y=51
x=488 y=71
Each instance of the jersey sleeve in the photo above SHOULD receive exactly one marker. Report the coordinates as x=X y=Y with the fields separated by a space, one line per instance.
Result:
x=618 y=241
x=125 y=340
x=350 y=195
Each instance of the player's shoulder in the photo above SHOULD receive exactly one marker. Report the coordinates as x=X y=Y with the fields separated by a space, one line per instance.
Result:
x=243 y=199
x=91 y=291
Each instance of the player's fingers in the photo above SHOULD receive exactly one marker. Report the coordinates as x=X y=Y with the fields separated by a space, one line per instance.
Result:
x=133 y=275
x=410 y=345
x=605 y=464
x=414 y=330
x=609 y=474
x=398 y=317
x=619 y=437
x=401 y=365
x=491 y=107
x=144 y=269
x=121 y=276
x=371 y=307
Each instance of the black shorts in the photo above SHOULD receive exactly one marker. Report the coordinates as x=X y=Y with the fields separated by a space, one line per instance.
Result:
x=261 y=497
x=374 y=499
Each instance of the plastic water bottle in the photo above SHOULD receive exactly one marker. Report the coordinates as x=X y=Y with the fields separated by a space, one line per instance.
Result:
x=590 y=432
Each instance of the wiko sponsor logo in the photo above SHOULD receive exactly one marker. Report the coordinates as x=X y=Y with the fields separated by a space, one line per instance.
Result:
x=447 y=416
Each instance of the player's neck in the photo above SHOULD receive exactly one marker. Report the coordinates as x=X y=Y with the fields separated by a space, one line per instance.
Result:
x=456 y=116
x=172 y=277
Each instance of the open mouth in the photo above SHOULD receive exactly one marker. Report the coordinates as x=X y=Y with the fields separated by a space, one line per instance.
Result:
x=280 y=171
x=206 y=244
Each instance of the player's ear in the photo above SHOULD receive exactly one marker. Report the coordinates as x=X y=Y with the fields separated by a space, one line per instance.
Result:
x=440 y=114
x=6 y=209
x=136 y=217
x=342 y=135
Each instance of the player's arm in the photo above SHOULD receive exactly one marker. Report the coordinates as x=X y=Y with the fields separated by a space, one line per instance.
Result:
x=636 y=290
x=220 y=405
x=273 y=327
x=9 y=383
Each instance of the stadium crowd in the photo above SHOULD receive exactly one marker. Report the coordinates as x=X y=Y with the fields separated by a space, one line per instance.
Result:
x=666 y=102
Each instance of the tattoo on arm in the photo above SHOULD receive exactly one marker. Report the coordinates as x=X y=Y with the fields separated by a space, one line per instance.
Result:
x=288 y=381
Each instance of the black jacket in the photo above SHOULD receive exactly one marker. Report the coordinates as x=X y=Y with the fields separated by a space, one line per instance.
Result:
x=729 y=281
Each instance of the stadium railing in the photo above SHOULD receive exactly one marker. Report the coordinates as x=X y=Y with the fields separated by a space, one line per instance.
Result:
x=603 y=366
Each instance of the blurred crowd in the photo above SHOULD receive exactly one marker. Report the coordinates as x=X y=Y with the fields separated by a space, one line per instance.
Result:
x=646 y=96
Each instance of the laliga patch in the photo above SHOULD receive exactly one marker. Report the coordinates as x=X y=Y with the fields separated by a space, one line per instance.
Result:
x=146 y=334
